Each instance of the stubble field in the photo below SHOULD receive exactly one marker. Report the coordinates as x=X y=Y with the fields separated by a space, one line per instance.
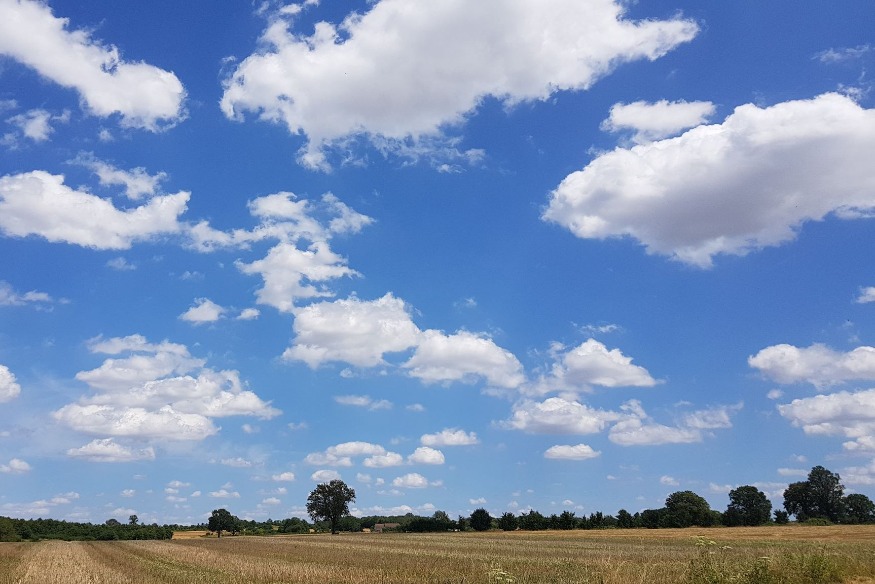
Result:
x=754 y=555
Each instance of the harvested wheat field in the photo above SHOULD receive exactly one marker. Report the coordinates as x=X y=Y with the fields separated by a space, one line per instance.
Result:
x=790 y=554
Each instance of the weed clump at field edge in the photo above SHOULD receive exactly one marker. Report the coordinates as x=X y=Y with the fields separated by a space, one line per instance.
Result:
x=717 y=565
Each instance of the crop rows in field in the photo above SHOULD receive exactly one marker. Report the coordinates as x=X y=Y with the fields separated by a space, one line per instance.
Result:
x=769 y=555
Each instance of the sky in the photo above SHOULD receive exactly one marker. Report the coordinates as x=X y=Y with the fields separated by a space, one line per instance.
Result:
x=511 y=254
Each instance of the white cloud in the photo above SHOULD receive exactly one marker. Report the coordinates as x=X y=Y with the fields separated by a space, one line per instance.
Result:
x=817 y=364
x=271 y=501
x=722 y=188
x=477 y=501
x=384 y=460
x=9 y=387
x=558 y=415
x=342 y=454
x=39 y=203
x=867 y=295
x=636 y=428
x=655 y=121
x=249 y=314
x=144 y=95
x=9 y=297
x=426 y=455
x=287 y=476
x=15 y=466
x=411 y=480
x=352 y=330
x=463 y=356
x=107 y=450
x=792 y=472
x=36 y=124
x=290 y=273
x=849 y=414
x=591 y=363
x=128 y=493
x=204 y=310
x=715 y=418
x=450 y=437
x=237 y=462
x=138 y=183
x=225 y=494
x=150 y=394
x=568 y=452
x=669 y=481
x=399 y=76
x=120 y=264
x=363 y=401
x=324 y=476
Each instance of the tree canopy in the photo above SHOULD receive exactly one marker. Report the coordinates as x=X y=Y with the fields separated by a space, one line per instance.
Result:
x=820 y=496
x=685 y=509
x=747 y=506
x=222 y=520
x=481 y=520
x=330 y=502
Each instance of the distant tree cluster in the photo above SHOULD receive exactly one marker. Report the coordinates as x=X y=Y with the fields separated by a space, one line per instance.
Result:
x=112 y=529
x=821 y=497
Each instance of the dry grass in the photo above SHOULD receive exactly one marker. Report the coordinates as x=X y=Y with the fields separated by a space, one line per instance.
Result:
x=189 y=534
x=605 y=557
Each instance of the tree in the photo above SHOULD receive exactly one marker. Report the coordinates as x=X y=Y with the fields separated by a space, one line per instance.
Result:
x=330 y=501
x=625 y=519
x=797 y=500
x=133 y=520
x=781 y=517
x=567 y=520
x=859 y=509
x=819 y=496
x=827 y=493
x=747 y=506
x=221 y=520
x=532 y=521
x=112 y=522
x=685 y=509
x=508 y=522
x=481 y=520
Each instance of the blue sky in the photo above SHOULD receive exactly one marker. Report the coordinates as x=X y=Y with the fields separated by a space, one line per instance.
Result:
x=508 y=254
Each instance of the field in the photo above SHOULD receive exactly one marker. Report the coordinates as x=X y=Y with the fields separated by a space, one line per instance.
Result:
x=791 y=554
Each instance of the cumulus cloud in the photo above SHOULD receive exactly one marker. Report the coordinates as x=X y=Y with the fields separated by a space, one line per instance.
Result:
x=722 y=188
x=655 y=121
x=224 y=494
x=143 y=95
x=15 y=466
x=354 y=331
x=631 y=426
x=287 y=476
x=558 y=415
x=9 y=387
x=249 y=314
x=426 y=455
x=291 y=274
x=411 y=480
x=816 y=364
x=848 y=414
x=342 y=454
x=324 y=476
x=137 y=182
x=399 y=76
x=384 y=460
x=363 y=401
x=866 y=295
x=568 y=452
x=108 y=450
x=450 y=437
x=36 y=124
x=9 y=297
x=203 y=311
x=157 y=392
x=38 y=203
x=591 y=363
x=462 y=356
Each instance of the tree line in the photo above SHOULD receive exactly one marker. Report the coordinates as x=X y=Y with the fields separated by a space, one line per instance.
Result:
x=39 y=529
x=818 y=499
